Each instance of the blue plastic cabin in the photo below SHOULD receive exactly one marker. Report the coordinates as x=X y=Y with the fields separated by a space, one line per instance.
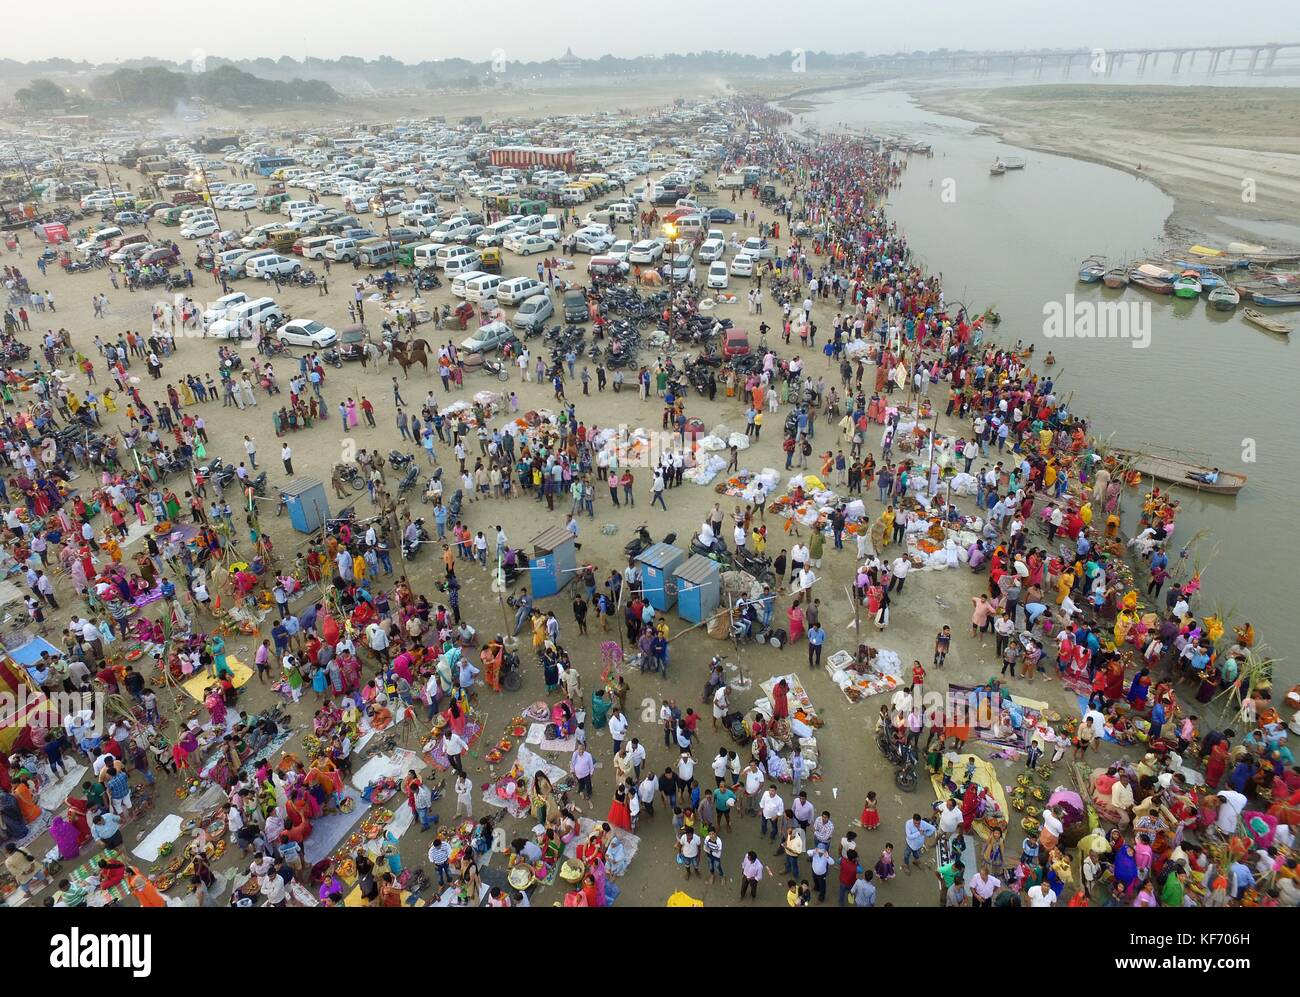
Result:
x=307 y=504
x=699 y=588
x=658 y=562
x=554 y=563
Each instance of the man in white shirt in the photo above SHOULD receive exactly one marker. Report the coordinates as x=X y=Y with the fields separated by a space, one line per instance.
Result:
x=798 y=558
x=753 y=777
x=688 y=846
x=899 y=569
x=982 y=888
x=770 y=808
x=1231 y=804
x=617 y=728
x=1041 y=895
x=950 y=818
x=453 y=744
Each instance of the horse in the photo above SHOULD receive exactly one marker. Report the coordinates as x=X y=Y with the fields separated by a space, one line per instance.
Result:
x=408 y=357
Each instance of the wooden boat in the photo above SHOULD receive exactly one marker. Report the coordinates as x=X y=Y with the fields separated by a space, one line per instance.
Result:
x=998 y=168
x=1153 y=284
x=1264 y=322
x=1269 y=299
x=1177 y=471
x=1092 y=269
x=1187 y=285
x=1116 y=277
x=1224 y=298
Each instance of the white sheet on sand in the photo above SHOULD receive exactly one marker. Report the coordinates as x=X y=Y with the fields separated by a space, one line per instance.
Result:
x=55 y=792
x=391 y=766
x=329 y=829
x=531 y=763
x=537 y=736
x=168 y=830
x=585 y=826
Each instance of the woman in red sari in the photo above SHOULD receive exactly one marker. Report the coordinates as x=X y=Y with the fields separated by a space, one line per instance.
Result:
x=297 y=825
x=969 y=805
x=618 y=811
x=76 y=816
x=1218 y=761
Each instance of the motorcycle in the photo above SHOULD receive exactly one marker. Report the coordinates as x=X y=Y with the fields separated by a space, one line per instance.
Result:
x=433 y=488
x=408 y=480
x=642 y=540
x=496 y=368
x=399 y=460
x=332 y=357
x=411 y=540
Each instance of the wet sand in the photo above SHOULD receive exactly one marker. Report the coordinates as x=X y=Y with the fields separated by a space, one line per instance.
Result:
x=1227 y=155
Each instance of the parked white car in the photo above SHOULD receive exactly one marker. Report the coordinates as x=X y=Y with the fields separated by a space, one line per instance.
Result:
x=526 y=245
x=306 y=332
x=592 y=242
x=742 y=265
x=199 y=230
x=646 y=251
x=712 y=249
x=718 y=274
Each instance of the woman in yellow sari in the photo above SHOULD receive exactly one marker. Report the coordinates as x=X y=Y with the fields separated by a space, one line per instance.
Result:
x=110 y=403
x=539 y=630
x=187 y=394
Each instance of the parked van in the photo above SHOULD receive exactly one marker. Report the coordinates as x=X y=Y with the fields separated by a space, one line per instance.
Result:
x=691 y=225
x=481 y=288
x=458 y=284
x=453 y=252
x=425 y=255
x=455 y=264
x=550 y=228
x=339 y=250
x=241 y=320
x=451 y=228
x=222 y=306
x=271 y=263
x=315 y=247
x=376 y=252
x=518 y=289
x=287 y=208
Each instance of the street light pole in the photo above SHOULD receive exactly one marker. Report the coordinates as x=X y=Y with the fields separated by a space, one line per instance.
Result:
x=203 y=175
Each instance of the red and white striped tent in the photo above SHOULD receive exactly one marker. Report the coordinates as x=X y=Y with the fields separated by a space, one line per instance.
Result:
x=519 y=156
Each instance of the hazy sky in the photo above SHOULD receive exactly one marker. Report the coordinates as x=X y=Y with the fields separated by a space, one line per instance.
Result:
x=413 y=30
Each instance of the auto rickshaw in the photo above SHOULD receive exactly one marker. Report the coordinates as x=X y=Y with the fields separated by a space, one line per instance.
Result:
x=490 y=260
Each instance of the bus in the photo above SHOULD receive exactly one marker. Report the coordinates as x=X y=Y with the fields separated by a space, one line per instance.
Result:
x=266 y=165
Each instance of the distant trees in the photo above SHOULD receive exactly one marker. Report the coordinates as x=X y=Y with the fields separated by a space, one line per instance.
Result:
x=224 y=85
x=227 y=86
x=42 y=95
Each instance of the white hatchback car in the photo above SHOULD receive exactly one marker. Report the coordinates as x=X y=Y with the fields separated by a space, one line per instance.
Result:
x=718 y=274
x=306 y=332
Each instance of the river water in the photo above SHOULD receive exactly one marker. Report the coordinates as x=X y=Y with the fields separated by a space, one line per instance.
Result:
x=1207 y=382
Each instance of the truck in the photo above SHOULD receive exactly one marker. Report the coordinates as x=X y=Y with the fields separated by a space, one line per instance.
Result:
x=727 y=181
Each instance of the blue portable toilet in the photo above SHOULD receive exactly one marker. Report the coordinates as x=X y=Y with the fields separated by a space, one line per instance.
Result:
x=307 y=504
x=658 y=561
x=699 y=588
x=554 y=562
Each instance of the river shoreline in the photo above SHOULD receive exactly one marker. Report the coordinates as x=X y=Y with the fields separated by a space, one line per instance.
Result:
x=1208 y=182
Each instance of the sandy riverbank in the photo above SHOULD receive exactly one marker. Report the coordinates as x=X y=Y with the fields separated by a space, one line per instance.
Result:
x=1201 y=145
